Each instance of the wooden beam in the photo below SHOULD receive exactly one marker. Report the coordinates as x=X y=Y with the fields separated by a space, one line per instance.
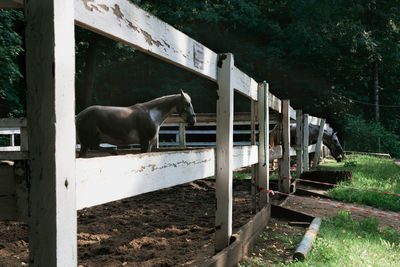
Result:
x=224 y=155
x=254 y=168
x=125 y=22
x=274 y=103
x=284 y=163
x=13 y=122
x=244 y=84
x=305 y=142
x=50 y=64
x=299 y=142
x=319 y=144
x=263 y=141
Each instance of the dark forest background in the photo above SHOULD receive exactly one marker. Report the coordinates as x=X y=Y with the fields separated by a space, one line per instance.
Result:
x=331 y=58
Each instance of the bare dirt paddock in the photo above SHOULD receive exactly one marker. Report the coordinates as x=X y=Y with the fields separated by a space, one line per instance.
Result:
x=170 y=227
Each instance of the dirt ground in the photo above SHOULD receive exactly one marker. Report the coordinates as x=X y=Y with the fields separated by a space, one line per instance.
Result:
x=170 y=227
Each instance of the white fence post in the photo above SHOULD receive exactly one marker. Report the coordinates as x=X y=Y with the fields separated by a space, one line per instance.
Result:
x=255 y=166
x=263 y=171
x=299 y=142
x=305 y=142
x=284 y=163
x=319 y=144
x=224 y=152
x=50 y=64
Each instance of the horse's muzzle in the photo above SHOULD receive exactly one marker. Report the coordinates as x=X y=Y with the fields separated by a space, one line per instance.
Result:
x=191 y=120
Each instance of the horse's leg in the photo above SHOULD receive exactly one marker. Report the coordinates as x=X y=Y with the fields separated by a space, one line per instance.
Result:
x=145 y=146
x=83 y=151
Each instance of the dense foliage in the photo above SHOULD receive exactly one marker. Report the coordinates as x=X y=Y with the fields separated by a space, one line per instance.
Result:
x=317 y=53
x=11 y=84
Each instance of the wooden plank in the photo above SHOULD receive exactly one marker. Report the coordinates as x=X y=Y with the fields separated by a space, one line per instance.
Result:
x=305 y=142
x=10 y=148
x=14 y=155
x=13 y=122
x=299 y=142
x=244 y=84
x=182 y=135
x=12 y=4
x=244 y=156
x=209 y=118
x=244 y=239
x=9 y=131
x=319 y=143
x=254 y=168
x=224 y=153
x=50 y=108
x=274 y=103
x=263 y=141
x=284 y=163
x=124 y=21
x=292 y=113
x=105 y=179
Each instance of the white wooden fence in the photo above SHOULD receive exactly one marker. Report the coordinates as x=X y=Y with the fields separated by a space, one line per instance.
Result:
x=59 y=184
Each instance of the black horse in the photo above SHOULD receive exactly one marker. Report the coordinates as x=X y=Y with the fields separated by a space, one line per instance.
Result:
x=137 y=124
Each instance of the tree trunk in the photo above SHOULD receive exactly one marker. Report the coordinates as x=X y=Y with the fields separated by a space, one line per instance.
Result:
x=376 y=94
x=85 y=88
x=376 y=88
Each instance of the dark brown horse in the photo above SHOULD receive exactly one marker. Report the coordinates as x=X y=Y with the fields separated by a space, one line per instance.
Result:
x=329 y=139
x=137 y=124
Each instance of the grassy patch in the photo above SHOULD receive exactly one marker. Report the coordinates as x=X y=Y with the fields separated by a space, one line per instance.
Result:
x=345 y=242
x=341 y=241
x=370 y=173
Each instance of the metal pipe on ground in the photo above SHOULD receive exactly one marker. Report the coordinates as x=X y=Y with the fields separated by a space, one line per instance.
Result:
x=309 y=237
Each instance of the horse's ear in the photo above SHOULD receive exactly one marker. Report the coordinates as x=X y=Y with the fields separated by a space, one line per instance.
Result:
x=182 y=93
x=334 y=133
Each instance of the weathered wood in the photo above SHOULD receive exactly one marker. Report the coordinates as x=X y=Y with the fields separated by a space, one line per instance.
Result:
x=105 y=179
x=123 y=21
x=292 y=113
x=263 y=139
x=50 y=64
x=244 y=84
x=14 y=155
x=8 y=207
x=224 y=153
x=210 y=118
x=24 y=139
x=13 y=122
x=244 y=238
x=254 y=168
x=21 y=175
x=319 y=143
x=274 y=103
x=305 y=142
x=284 y=162
x=299 y=142
x=10 y=148
x=182 y=135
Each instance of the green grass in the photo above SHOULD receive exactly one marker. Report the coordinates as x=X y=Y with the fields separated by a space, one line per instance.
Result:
x=370 y=173
x=342 y=241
